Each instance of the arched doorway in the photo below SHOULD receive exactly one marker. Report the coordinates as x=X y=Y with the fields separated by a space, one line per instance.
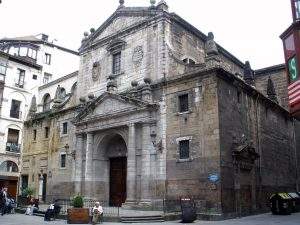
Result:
x=116 y=151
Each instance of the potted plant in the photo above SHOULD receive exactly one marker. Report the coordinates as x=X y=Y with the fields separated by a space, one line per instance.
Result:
x=78 y=214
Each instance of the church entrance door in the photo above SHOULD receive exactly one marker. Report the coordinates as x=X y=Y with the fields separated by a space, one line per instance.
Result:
x=117 y=184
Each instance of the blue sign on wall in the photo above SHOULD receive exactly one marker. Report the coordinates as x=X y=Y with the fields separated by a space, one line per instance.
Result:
x=213 y=177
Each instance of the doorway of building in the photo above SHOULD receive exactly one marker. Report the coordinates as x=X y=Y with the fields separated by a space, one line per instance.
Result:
x=117 y=184
x=44 y=187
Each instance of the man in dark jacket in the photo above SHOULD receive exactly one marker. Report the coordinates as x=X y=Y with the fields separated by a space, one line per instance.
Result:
x=52 y=211
x=4 y=201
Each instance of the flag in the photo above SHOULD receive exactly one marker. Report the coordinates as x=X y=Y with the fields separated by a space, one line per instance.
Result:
x=294 y=93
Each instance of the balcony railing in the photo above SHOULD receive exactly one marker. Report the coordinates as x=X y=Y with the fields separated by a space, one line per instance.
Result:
x=15 y=114
x=13 y=147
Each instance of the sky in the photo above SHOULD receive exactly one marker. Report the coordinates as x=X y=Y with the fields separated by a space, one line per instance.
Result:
x=249 y=29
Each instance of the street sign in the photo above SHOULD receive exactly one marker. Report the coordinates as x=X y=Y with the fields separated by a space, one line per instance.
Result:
x=293 y=70
x=213 y=177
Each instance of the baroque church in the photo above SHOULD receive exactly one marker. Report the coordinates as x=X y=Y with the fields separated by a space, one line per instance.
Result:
x=161 y=111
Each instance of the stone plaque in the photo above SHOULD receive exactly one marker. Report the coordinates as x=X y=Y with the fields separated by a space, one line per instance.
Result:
x=96 y=71
x=137 y=56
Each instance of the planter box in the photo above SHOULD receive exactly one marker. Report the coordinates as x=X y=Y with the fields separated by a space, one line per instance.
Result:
x=78 y=216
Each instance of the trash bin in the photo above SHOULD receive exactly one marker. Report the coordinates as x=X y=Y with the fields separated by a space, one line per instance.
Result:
x=281 y=203
x=188 y=210
x=295 y=201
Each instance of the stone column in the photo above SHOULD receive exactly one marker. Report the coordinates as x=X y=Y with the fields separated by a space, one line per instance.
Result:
x=41 y=180
x=89 y=165
x=131 y=165
x=145 y=173
x=78 y=163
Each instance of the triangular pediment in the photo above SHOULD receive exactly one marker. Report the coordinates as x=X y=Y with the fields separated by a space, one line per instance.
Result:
x=120 y=20
x=109 y=104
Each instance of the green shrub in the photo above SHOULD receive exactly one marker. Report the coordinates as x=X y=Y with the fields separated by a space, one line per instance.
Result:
x=77 y=201
x=29 y=191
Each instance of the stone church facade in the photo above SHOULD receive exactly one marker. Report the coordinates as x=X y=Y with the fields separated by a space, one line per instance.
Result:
x=164 y=112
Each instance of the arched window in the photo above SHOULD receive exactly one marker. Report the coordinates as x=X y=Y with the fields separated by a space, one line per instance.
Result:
x=9 y=166
x=46 y=102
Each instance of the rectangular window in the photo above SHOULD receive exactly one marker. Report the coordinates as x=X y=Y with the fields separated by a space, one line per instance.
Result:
x=34 y=77
x=47 y=78
x=47 y=58
x=23 y=51
x=12 y=144
x=63 y=158
x=65 y=128
x=117 y=63
x=2 y=71
x=47 y=130
x=20 y=81
x=31 y=53
x=15 y=109
x=34 y=135
x=184 y=149
x=183 y=103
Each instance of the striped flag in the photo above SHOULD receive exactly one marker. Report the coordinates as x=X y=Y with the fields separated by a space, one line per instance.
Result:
x=294 y=93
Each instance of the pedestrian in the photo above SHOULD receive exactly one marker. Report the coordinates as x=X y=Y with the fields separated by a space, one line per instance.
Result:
x=52 y=211
x=1 y=199
x=4 y=201
x=97 y=213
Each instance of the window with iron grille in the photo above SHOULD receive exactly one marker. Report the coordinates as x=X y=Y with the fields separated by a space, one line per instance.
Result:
x=15 y=109
x=20 y=82
x=47 y=58
x=184 y=149
x=47 y=131
x=34 y=135
x=183 y=103
x=116 y=63
x=63 y=158
x=65 y=128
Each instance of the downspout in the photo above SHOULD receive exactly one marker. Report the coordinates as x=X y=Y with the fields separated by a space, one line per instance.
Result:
x=258 y=149
x=296 y=159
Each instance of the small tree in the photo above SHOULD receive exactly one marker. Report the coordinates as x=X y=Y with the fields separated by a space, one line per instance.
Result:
x=77 y=201
x=28 y=192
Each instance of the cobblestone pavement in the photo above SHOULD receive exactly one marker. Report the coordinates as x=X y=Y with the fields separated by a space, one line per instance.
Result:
x=264 y=219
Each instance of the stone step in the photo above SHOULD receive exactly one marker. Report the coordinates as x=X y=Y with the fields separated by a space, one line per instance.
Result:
x=142 y=219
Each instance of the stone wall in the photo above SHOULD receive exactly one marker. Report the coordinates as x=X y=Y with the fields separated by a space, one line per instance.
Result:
x=201 y=126
x=278 y=75
x=43 y=154
x=270 y=129
x=141 y=56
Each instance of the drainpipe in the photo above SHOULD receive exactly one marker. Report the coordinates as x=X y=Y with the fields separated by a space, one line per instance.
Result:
x=258 y=149
x=296 y=159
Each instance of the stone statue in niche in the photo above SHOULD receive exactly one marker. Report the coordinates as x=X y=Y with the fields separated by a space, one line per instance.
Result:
x=137 y=56
x=96 y=71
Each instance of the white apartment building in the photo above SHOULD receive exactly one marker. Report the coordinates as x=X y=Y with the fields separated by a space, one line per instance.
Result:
x=26 y=63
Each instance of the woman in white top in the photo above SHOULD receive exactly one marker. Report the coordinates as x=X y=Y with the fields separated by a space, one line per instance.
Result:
x=97 y=213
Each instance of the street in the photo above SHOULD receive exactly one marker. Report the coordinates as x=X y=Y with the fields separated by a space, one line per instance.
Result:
x=264 y=219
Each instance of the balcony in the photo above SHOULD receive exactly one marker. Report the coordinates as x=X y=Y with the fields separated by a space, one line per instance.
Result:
x=13 y=147
x=15 y=114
